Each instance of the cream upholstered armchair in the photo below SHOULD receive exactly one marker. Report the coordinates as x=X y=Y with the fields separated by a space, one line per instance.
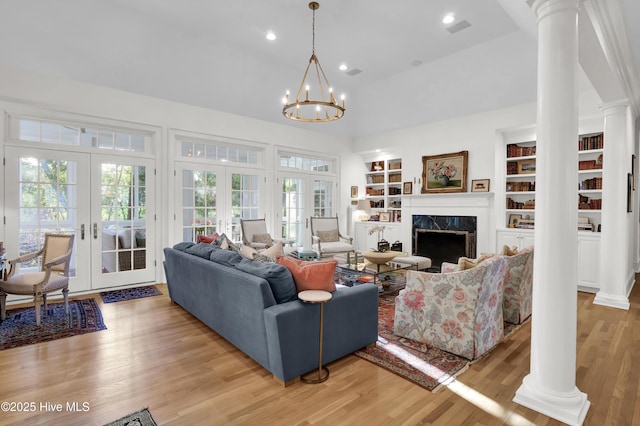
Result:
x=254 y=234
x=327 y=239
x=53 y=275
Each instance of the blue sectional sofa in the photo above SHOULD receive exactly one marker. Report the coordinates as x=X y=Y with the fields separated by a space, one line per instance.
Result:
x=239 y=299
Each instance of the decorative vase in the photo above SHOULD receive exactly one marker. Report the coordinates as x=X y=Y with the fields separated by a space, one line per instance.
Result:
x=444 y=180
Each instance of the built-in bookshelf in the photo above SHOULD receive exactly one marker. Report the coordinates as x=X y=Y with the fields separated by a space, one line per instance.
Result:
x=520 y=181
x=590 y=160
x=383 y=188
x=520 y=184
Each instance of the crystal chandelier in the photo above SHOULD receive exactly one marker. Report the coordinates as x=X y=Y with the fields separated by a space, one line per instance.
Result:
x=324 y=109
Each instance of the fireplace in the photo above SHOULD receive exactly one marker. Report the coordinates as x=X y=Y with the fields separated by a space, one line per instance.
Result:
x=444 y=238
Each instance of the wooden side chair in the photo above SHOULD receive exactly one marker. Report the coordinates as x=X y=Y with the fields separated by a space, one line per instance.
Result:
x=327 y=239
x=255 y=234
x=53 y=274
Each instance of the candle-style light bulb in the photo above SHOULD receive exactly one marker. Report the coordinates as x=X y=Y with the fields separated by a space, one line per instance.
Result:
x=342 y=97
x=331 y=98
x=307 y=89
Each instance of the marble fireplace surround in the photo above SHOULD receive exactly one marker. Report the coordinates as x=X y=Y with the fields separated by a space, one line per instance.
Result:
x=478 y=204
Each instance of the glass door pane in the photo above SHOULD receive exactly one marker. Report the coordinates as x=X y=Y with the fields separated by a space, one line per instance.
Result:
x=199 y=195
x=245 y=200
x=46 y=188
x=323 y=198
x=123 y=220
x=293 y=209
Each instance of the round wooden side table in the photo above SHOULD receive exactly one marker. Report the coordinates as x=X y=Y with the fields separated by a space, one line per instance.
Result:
x=321 y=297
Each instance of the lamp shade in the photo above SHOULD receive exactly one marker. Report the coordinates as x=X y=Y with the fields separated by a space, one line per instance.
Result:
x=363 y=205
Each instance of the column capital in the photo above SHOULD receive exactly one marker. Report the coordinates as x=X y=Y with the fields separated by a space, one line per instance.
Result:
x=544 y=8
x=614 y=108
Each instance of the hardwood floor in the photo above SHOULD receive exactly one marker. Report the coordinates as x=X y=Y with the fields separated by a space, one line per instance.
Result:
x=154 y=354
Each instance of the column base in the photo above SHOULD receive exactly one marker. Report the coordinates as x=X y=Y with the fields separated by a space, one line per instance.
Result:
x=570 y=408
x=611 y=300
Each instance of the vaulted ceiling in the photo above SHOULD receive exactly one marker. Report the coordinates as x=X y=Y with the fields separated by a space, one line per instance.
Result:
x=413 y=68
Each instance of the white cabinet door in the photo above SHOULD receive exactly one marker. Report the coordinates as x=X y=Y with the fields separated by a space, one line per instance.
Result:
x=518 y=238
x=589 y=262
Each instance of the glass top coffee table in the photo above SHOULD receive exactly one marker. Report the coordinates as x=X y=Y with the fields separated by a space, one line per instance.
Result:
x=354 y=272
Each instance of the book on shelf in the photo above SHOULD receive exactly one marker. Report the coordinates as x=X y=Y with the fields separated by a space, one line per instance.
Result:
x=587 y=143
x=515 y=150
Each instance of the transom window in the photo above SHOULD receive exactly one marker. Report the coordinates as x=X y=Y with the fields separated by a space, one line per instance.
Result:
x=212 y=150
x=73 y=134
x=307 y=163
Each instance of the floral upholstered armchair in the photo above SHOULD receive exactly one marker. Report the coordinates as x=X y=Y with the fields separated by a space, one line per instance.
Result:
x=458 y=312
x=518 y=284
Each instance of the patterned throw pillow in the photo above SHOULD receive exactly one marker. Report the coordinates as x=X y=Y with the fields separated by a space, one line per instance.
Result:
x=225 y=243
x=261 y=258
x=328 y=236
x=264 y=239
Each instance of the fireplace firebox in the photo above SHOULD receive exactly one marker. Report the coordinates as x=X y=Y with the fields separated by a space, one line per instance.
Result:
x=444 y=238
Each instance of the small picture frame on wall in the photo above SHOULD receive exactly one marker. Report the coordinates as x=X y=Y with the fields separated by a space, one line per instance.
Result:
x=480 y=185
x=354 y=191
x=407 y=188
x=385 y=216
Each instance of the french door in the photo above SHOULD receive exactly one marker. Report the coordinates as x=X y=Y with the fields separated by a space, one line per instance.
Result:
x=303 y=196
x=215 y=198
x=106 y=201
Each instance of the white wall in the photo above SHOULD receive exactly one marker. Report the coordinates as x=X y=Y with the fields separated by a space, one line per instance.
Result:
x=25 y=90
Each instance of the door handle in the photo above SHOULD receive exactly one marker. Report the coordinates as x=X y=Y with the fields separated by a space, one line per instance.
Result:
x=307 y=223
x=95 y=230
x=82 y=231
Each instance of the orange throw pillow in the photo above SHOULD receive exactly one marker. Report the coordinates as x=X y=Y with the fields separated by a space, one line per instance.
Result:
x=208 y=239
x=309 y=275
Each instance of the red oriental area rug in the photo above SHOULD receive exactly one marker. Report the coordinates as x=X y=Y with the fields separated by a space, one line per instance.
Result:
x=426 y=366
x=20 y=326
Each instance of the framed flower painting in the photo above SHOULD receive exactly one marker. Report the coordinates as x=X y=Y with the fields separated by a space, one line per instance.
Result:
x=445 y=172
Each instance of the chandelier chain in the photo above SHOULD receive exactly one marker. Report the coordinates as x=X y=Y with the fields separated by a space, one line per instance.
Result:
x=313 y=32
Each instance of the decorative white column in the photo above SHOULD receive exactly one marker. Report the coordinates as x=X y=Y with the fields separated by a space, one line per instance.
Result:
x=550 y=387
x=614 y=269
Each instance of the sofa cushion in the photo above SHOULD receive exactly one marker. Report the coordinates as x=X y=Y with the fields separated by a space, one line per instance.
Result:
x=311 y=275
x=202 y=250
x=225 y=257
x=328 y=236
x=184 y=245
x=278 y=276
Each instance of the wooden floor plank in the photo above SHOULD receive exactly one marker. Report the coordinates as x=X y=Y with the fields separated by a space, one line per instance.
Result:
x=154 y=354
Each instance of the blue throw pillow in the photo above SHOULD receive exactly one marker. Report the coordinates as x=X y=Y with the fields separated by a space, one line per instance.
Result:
x=278 y=276
x=202 y=250
x=225 y=257
x=183 y=245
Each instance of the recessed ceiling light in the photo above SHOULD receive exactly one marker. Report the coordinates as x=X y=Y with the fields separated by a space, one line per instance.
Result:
x=448 y=18
x=271 y=36
x=343 y=67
